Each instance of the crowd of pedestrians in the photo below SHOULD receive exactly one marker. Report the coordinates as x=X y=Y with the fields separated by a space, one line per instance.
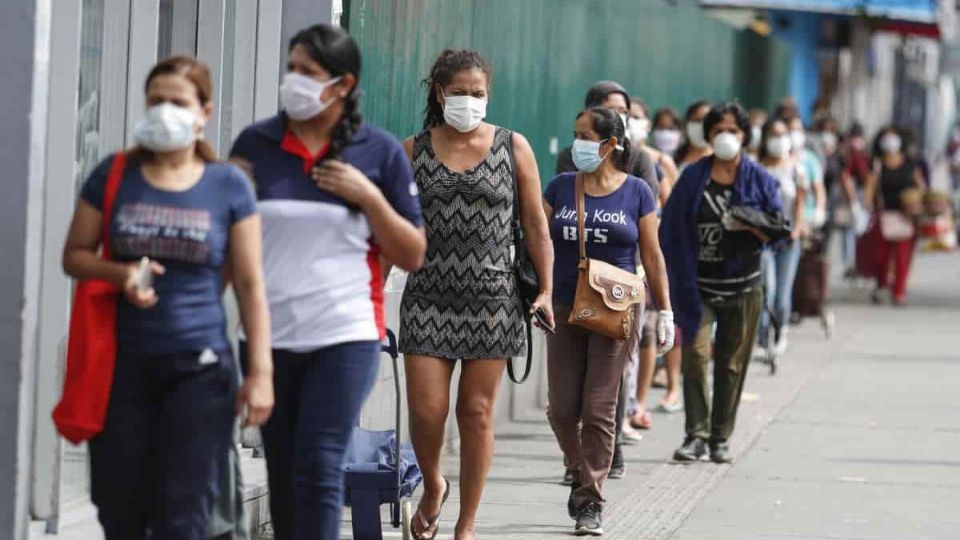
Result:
x=657 y=237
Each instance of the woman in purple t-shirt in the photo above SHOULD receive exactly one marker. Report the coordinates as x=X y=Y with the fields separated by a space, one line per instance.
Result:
x=585 y=369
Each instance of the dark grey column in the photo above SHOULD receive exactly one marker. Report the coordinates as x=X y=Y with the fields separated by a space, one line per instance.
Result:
x=24 y=40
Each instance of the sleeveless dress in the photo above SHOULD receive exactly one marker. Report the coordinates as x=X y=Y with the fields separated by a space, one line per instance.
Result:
x=463 y=303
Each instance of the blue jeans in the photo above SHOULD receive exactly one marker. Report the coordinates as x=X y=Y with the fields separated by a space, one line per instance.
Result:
x=779 y=273
x=319 y=396
x=155 y=465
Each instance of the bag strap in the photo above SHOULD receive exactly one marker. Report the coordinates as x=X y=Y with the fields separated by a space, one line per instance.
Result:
x=517 y=247
x=511 y=151
x=581 y=216
x=109 y=197
x=529 y=365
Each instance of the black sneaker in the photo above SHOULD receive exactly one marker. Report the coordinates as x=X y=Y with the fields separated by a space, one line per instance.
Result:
x=589 y=520
x=572 y=509
x=720 y=453
x=693 y=449
x=618 y=468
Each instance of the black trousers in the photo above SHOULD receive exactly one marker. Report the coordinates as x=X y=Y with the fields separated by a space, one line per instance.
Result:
x=169 y=425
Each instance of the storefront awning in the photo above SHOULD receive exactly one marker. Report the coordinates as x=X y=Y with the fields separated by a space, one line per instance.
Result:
x=914 y=11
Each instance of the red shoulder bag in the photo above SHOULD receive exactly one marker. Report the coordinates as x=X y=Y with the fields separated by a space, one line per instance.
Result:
x=92 y=341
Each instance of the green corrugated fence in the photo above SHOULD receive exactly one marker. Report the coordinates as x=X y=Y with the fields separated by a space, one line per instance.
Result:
x=546 y=53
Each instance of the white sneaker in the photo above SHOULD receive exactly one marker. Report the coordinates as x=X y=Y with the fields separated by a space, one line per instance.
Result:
x=630 y=435
x=781 y=346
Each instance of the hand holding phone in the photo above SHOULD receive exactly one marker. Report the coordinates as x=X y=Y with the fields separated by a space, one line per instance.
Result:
x=144 y=275
x=541 y=321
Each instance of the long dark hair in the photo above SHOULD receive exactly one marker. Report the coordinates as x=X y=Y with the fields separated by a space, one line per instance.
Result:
x=608 y=124
x=896 y=130
x=448 y=64
x=685 y=147
x=197 y=73
x=337 y=53
x=668 y=113
x=765 y=135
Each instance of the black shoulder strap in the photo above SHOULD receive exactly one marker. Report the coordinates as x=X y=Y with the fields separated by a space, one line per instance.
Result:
x=518 y=245
x=511 y=151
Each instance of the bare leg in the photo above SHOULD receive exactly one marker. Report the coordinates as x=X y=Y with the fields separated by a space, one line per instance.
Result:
x=479 y=383
x=648 y=362
x=671 y=362
x=428 y=398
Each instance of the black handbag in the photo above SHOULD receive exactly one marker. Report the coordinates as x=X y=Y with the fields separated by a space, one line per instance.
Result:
x=528 y=283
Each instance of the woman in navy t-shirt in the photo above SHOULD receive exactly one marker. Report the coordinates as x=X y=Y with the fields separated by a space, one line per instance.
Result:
x=585 y=369
x=174 y=397
x=338 y=199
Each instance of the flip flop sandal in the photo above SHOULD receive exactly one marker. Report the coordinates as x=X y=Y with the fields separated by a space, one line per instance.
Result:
x=645 y=422
x=425 y=523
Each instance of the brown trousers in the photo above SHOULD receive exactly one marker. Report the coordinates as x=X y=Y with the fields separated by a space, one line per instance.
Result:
x=584 y=373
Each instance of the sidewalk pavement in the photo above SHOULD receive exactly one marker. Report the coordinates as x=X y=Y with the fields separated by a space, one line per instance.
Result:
x=853 y=438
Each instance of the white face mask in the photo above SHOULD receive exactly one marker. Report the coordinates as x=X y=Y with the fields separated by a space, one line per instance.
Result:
x=695 y=134
x=300 y=96
x=638 y=130
x=464 y=113
x=779 y=146
x=829 y=140
x=666 y=140
x=167 y=127
x=726 y=146
x=890 y=143
x=798 y=138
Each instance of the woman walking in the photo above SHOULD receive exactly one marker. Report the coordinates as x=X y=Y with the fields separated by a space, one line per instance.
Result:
x=585 y=369
x=714 y=265
x=338 y=201
x=169 y=424
x=667 y=132
x=638 y=129
x=643 y=361
x=780 y=262
x=696 y=145
x=463 y=304
x=893 y=176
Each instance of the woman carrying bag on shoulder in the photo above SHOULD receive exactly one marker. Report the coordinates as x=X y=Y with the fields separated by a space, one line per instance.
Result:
x=597 y=218
x=477 y=181
x=888 y=192
x=175 y=218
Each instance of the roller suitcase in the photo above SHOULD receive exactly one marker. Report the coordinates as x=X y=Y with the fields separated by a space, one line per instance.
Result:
x=811 y=286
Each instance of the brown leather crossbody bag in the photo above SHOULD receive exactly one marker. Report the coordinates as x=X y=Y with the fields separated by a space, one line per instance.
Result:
x=607 y=296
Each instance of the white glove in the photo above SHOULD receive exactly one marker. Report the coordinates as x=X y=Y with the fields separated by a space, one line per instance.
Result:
x=666 y=331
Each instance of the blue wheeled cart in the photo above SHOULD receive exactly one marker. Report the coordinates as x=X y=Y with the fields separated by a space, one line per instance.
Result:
x=380 y=470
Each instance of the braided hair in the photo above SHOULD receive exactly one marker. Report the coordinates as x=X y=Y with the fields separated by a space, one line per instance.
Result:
x=448 y=64
x=337 y=53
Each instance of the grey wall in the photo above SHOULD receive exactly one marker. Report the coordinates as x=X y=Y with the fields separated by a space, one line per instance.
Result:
x=297 y=15
x=24 y=38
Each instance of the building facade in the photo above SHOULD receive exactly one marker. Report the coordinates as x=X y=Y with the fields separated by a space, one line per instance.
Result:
x=73 y=89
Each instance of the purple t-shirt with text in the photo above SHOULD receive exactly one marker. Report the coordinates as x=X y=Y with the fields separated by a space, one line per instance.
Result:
x=610 y=229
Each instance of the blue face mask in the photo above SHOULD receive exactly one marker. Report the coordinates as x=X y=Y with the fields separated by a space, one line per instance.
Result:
x=586 y=155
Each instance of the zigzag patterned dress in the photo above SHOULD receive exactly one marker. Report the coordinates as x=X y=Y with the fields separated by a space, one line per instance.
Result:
x=463 y=303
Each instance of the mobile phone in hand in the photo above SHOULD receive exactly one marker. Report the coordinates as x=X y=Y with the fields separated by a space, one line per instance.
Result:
x=541 y=321
x=144 y=275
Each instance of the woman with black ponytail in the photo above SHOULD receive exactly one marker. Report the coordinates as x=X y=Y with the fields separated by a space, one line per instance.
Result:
x=464 y=303
x=338 y=201
x=585 y=369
